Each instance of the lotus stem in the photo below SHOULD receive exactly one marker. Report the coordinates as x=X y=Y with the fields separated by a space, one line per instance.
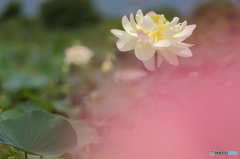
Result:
x=41 y=157
x=25 y=155
x=155 y=79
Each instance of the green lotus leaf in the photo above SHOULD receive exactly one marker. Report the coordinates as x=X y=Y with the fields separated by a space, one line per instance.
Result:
x=40 y=133
x=11 y=113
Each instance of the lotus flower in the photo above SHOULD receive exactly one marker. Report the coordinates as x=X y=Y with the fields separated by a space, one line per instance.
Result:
x=77 y=55
x=153 y=33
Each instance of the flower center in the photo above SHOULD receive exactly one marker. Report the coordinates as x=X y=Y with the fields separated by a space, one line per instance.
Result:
x=159 y=21
x=155 y=18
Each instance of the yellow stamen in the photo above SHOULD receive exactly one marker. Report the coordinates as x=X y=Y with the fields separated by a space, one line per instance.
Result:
x=159 y=20
x=155 y=18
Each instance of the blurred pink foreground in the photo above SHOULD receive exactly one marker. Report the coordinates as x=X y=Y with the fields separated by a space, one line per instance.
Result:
x=198 y=110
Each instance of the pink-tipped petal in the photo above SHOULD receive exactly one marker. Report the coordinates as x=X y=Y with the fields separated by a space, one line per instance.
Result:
x=175 y=50
x=125 y=45
x=183 y=52
x=151 y=13
x=162 y=44
x=144 y=51
x=143 y=36
x=186 y=53
x=169 y=57
x=149 y=64
x=121 y=34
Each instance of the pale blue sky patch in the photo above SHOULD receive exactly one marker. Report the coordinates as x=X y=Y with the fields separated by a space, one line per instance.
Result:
x=118 y=8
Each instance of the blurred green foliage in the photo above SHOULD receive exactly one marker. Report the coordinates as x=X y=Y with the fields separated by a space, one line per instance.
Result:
x=31 y=56
x=9 y=152
x=32 y=73
x=12 y=11
x=70 y=13
x=31 y=62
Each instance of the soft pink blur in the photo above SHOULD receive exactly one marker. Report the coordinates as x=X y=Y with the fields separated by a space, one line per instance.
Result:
x=198 y=110
x=198 y=101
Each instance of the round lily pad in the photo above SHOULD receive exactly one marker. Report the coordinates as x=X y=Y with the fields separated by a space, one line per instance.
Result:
x=40 y=133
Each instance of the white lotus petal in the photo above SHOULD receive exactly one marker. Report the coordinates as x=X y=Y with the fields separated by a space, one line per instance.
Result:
x=139 y=16
x=174 y=49
x=172 y=23
x=151 y=13
x=183 y=26
x=186 y=32
x=162 y=44
x=144 y=51
x=186 y=53
x=121 y=34
x=180 y=39
x=126 y=45
x=149 y=64
x=127 y=25
x=183 y=52
x=143 y=36
x=132 y=22
x=168 y=56
x=148 y=24
x=168 y=32
x=181 y=45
